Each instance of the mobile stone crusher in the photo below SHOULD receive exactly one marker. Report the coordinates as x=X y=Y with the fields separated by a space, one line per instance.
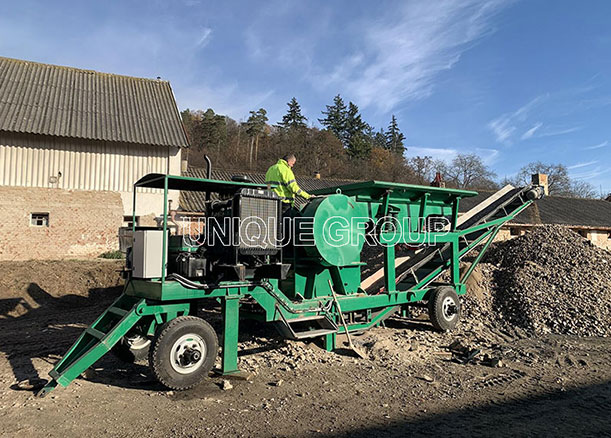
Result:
x=304 y=288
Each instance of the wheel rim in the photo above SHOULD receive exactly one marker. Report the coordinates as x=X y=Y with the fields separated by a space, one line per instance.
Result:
x=449 y=308
x=187 y=353
x=137 y=342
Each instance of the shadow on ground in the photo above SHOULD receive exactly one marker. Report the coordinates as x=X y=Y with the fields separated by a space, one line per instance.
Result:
x=582 y=412
x=46 y=329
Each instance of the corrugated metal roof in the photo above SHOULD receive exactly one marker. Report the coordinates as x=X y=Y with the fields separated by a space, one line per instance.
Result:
x=595 y=213
x=69 y=102
x=578 y=212
x=194 y=201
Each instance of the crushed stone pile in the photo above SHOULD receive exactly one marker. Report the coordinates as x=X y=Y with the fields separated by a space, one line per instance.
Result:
x=551 y=280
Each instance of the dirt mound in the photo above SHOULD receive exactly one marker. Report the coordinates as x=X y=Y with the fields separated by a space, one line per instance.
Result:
x=552 y=280
x=27 y=285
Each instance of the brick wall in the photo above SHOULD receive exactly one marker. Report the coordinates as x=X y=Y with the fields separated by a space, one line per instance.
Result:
x=82 y=223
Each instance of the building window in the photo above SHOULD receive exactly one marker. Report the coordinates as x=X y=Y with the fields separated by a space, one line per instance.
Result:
x=39 y=219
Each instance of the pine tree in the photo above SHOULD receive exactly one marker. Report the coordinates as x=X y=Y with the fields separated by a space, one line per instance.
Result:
x=293 y=119
x=379 y=139
x=395 y=138
x=355 y=136
x=335 y=120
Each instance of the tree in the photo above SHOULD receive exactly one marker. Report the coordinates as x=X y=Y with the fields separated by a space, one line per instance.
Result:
x=468 y=171
x=379 y=139
x=558 y=180
x=423 y=168
x=355 y=135
x=213 y=131
x=335 y=118
x=255 y=127
x=582 y=189
x=394 y=137
x=293 y=119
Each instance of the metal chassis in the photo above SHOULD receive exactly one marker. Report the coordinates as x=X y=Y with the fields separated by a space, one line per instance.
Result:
x=152 y=303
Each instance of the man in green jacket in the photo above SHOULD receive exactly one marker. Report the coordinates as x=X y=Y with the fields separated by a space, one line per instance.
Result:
x=281 y=175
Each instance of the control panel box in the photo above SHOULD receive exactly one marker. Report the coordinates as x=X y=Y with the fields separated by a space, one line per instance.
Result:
x=147 y=253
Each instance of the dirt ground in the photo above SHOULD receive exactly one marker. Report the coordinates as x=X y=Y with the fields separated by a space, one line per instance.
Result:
x=411 y=382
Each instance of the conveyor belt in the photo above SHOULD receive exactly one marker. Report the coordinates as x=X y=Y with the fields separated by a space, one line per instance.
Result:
x=411 y=269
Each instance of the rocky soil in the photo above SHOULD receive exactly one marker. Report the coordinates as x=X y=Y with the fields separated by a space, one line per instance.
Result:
x=514 y=360
x=550 y=280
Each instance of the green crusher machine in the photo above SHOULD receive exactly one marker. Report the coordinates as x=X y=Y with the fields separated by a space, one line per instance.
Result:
x=240 y=260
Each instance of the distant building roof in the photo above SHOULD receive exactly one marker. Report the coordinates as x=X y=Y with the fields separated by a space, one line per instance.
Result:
x=595 y=213
x=69 y=102
x=578 y=212
x=194 y=201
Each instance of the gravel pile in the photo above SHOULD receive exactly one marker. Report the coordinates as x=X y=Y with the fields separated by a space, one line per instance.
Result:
x=283 y=354
x=552 y=280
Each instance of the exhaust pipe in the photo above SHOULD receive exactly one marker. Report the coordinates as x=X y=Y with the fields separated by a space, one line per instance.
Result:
x=208 y=167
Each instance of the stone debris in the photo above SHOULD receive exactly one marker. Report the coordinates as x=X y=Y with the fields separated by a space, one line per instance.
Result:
x=284 y=354
x=551 y=280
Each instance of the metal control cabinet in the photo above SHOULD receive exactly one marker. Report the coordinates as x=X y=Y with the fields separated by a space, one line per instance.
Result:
x=147 y=247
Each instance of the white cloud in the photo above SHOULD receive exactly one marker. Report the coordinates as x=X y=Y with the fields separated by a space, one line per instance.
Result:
x=580 y=165
x=531 y=131
x=591 y=174
x=488 y=156
x=560 y=131
x=204 y=39
x=436 y=153
x=505 y=125
x=229 y=99
x=402 y=54
x=598 y=146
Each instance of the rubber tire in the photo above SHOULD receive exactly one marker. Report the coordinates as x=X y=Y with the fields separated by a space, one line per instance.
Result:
x=126 y=353
x=435 y=305
x=159 y=354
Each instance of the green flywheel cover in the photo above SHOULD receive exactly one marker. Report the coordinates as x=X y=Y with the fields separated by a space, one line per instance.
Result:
x=338 y=229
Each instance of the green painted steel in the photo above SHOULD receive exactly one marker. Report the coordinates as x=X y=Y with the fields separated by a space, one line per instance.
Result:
x=376 y=189
x=338 y=238
x=306 y=292
x=231 y=319
x=99 y=338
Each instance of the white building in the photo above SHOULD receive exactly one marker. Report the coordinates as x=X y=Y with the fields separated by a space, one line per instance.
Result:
x=72 y=143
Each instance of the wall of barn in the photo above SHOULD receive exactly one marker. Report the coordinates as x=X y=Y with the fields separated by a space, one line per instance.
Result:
x=82 y=223
x=28 y=160
x=601 y=238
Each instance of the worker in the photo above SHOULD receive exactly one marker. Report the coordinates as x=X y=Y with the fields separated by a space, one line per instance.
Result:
x=281 y=175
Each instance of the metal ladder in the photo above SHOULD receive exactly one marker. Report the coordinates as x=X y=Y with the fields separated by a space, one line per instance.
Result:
x=95 y=341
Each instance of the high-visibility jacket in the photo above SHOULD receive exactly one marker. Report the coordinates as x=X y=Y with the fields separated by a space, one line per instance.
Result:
x=281 y=175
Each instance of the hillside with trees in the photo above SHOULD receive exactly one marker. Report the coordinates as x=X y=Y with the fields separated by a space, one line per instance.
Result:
x=345 y=146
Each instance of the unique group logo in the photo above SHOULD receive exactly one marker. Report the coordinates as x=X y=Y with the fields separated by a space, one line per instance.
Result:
x=336 y=231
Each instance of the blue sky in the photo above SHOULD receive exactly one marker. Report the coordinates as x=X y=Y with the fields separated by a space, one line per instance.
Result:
x=514 y=81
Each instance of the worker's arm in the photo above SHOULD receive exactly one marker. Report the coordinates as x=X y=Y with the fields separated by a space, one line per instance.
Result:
x=291 y=183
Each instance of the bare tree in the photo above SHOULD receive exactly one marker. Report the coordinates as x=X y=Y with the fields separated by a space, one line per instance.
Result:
x=423 y=168
x=558 y=179
x=582 y=189
x=468 y=171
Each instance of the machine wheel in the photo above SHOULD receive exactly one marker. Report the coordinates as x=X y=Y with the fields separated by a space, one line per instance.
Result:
x=444 y=308
x=132 y=347
x=183 y=352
